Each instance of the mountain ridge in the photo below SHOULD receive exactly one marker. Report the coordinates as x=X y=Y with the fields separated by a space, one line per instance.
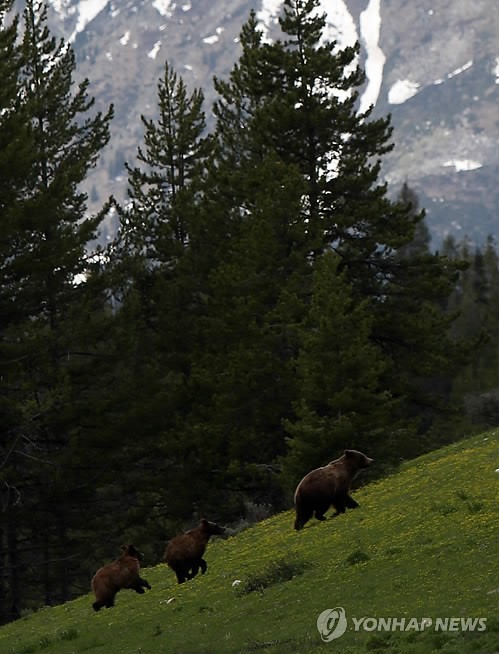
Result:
x=435 y=70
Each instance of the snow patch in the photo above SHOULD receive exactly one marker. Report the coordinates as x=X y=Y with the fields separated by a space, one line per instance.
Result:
x=210 y=40
x=268 y=16
x=87 y=11
x=186 y=7
x=340 y=25
x=125 y=38
x=370 y=24
x=495 y=70
x=152 y=54
x=463 y=164
x=164 y=7
x=63 y=8
x=461 y=69
x=402 y=90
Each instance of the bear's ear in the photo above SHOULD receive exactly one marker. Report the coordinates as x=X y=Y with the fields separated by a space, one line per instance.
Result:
x=124 y=547
x=348 y=452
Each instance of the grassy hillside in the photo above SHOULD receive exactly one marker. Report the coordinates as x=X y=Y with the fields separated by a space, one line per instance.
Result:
x=422 y=544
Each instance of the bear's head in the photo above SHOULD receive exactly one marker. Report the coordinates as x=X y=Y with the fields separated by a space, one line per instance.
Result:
x=211 y=528
x=131 y=550
x=358 y=459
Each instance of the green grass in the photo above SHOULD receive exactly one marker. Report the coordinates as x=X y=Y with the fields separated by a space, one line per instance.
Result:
x=422 y=544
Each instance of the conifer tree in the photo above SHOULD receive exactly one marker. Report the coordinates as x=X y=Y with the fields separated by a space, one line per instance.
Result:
x=46 y=364
x=490 y=358
x=420 y=243
x=342 y=402
x=163 y=186
x=162 y=298
x=296 y=99
x=248 y=331
x=15 y=159
x=475 y=301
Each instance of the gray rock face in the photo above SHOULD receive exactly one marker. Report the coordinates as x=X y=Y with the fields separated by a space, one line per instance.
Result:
x=432 y=64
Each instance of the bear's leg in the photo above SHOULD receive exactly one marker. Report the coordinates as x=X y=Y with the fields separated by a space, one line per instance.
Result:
x=350 y=503
x=303 y=515
x=181 y=573
x=110 y=603
x=320 y=510
x=203 y=565
x=138 y=589
x=145 y=583
x=98 y=605
x=339 y=505
x=193 y=571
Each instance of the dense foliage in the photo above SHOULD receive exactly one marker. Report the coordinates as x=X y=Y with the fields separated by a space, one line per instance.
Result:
x=264 y=304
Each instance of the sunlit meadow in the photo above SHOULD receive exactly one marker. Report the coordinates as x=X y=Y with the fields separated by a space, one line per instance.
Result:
x=422 y=544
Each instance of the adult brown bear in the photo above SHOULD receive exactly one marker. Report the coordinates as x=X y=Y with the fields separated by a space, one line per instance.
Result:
x=113 y=577
x=184 y=553
x=329 y=485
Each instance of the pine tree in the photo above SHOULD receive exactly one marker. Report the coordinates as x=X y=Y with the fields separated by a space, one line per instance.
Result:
x=46 y=363
x=248 y=332
x=15 y=159
x=490 y=358
x=158 y=219
x=342 y=402
x=162 y=299
x=475 y=301
x=420 y=243
x=296 y=99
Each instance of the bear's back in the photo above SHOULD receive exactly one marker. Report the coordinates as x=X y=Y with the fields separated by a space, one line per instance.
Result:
x=318 y=481
x=186 y=546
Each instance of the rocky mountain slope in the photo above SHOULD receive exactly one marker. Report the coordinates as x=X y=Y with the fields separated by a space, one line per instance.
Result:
x=432 y=64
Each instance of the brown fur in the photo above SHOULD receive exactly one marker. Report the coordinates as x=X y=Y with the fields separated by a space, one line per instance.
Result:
x=329 y=485
x=184 y=553
x=113 y=577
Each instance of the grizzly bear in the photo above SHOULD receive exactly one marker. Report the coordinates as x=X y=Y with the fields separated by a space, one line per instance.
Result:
x=184 y=553
x=328 y=485
x=122 y=573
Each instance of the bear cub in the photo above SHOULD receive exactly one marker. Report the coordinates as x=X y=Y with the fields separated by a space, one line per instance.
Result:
x=329 y=485
x=113 y=577
x=184 y=553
